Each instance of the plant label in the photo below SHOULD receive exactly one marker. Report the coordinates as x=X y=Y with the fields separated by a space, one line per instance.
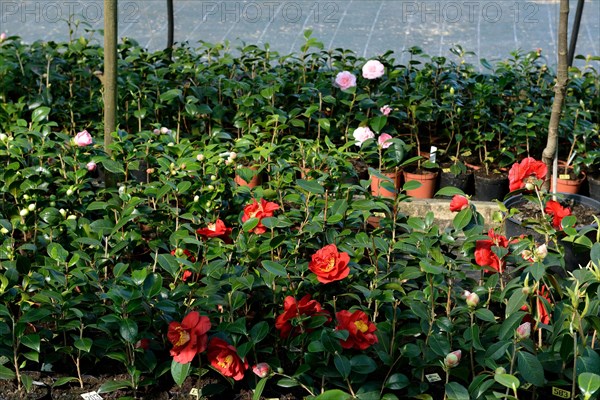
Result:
x=91 y=396
x=433 y=378
x=561 y=393
x=194 y=392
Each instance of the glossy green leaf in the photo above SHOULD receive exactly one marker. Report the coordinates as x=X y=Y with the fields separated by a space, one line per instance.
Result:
x=179 y=372
x=530 y=368
x=456 y=391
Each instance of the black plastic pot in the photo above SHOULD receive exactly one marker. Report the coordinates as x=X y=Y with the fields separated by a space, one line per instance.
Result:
x=594 y=186
x=490 y=187
x=463 y=182
x=575 y=255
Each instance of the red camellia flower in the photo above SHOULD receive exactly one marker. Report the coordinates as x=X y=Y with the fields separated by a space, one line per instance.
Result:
x=218 y=229
x=485 y=257
x=458 y=203
x=294 y=309
x=542 y=312
x=186 y=275
x=225 y=359
x=361 y=331
x=259 y=210
x=558 y=212
x=329 y=264
x=520 y=173
x=188 y=337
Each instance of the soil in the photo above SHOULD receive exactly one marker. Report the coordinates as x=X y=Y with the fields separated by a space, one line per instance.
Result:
x=584 y=214
x=43 y=390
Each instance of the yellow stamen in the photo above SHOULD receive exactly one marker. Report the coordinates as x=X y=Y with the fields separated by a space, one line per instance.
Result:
x=226 y=362
x=184 y=337
x=361 y=326
x=330 y=265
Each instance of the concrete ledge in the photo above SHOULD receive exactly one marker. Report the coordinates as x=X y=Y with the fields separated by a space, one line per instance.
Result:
x=441 y=210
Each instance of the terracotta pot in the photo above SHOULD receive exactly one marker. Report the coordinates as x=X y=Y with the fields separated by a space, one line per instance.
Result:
x=377 y=188
x=254 y=182
x=571 y=186
x=428 y=182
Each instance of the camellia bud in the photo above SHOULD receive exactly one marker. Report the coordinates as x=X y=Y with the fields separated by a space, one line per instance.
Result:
x=3 y=231
x=164 y=130
x=91 y=166
x=452 y=359
x=213 y=177
x=500 y=370
x=200 y=157
x=472 y=299
x=529 y=186
x=523 y=331
x=210 y=188
x=261 y=369
x=196 y=198
x=23 y=212
x=541 y=251
x=62 y=212
x=3 y=137
x=70 y=191
x=31 y=207
x=233 y=155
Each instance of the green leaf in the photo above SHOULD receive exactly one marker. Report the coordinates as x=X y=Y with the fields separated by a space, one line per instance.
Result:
x=310 y=186
x=83 y=344
x=111 y=386
x=259 y=331
x=57 y=252
x=342 y=364
x=36 y=314
x=334 y=394
x=411 y=185
x=588 y=383
x=516 y=301
x=397 y=381
x=456 y=391
x=170 y=95
x=530 y=368
x=485 y=315
x=179 y=371
x=112 y=166
x=449 y=191
x=250 y=224
x=287 y=383
x=6 y=373
x=64 y=381
x=169 y=264
x=462 y=219
x=32 y=341
x=128 y=330
x=507 y=380
x=363 y=364
x=260 y=386
x=497 y=350
x=39 y=114
x=510 y=324
x=274 y=268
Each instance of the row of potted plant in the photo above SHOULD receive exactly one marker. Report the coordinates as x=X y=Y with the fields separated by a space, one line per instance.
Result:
x=488 y=118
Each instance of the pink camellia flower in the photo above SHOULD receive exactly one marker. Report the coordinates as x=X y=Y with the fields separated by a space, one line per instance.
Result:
x=345 y=80
x=83 y=139
x=472 y=299
x=373 y=69
x=362 y=134
x=386 y=110
x=261 y=369
x=91 y=166
x=384 y=140
x=458 y=203
x=523 y=331
x=2 y=37
x=452 y=359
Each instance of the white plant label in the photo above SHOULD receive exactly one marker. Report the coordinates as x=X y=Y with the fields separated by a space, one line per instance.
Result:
x=194 y=392
x=91 y=396
x=433 y=153
x=433 y=378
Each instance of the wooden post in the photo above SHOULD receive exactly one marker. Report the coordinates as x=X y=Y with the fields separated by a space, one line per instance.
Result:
x=550 y=152
x=110 y=79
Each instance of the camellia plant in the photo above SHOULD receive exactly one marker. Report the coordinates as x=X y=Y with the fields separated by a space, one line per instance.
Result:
x=181 y=278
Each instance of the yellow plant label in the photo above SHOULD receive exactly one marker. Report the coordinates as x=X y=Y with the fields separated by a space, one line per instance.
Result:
x=561 y=393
